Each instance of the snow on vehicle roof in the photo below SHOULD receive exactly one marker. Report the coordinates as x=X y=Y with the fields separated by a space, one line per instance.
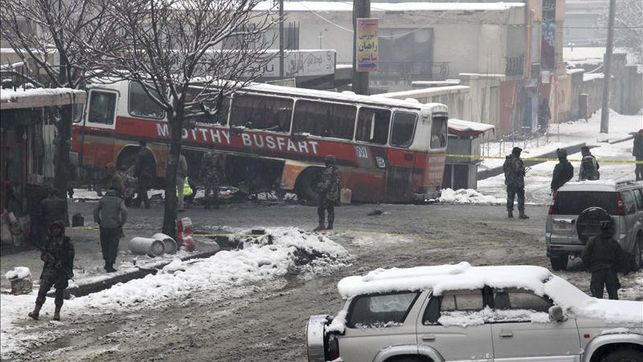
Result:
x=597 y=185
x=445 y=277
x=40 y=97
x=292 y=6
x=343 y=96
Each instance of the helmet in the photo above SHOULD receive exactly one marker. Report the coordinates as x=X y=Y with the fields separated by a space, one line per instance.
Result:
x=330 y=160
x=561 y=153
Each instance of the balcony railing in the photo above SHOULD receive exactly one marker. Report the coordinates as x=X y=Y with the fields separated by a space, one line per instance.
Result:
x=413 y=70
x=515 y=65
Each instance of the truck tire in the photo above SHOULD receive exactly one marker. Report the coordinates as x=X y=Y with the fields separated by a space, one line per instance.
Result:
x=623 y=355
x=559 y=262
x=307 y=185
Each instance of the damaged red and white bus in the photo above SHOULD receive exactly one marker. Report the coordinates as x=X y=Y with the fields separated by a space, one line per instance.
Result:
x=271 y=137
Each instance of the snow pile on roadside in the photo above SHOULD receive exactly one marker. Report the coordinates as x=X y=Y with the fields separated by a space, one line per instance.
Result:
x=468 y=196
x=19 y=272
x=281 y=252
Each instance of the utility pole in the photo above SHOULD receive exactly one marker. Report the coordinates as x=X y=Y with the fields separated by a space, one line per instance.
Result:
x=281 y=39
x=607 y=73
x=361 y=9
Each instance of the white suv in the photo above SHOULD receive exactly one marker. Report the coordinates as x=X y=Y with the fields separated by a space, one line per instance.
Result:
x=464 y=313
x=623 y=201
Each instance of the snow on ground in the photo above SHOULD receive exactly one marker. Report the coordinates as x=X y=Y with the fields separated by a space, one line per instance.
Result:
x=280 y=252
x=538 y=179
x=468 y=196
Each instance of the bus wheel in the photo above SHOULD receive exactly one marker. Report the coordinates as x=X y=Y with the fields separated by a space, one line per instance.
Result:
x=127 y=158
x=307 y=185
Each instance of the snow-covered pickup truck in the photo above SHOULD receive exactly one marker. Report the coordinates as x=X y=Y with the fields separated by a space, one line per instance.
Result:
x=466 y=313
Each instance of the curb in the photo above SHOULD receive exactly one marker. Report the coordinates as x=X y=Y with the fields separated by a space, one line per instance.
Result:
x=82 y=290
x=498 y=170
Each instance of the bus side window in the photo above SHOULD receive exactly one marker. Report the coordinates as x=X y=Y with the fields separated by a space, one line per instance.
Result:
x=439 y=132
x=102 y=107
x=141 y=105
x=261 y=112
x=324 y=119
x=403 y=128
x=372 y=125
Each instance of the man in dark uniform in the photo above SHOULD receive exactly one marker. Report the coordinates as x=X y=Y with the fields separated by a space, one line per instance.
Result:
x=637 y=152
x=563 y=172
x=602 y=256
x=145 y=172
x=328 y=195
x=110 y=215
x=514 y=170
x=210 y=174
x=58 y=255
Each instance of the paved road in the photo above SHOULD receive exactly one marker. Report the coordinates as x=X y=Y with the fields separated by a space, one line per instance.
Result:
x=269 y=325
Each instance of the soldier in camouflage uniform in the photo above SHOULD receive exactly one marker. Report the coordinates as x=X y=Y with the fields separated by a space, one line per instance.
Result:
x=514 y=169
x=58 y=255
x=210 y=174
x=328 y=196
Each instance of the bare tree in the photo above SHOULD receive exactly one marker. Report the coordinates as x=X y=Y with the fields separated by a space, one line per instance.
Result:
x=188 y=53
x=47 y=36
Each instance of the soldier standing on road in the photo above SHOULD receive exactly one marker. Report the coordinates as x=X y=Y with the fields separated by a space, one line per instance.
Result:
x=181 y=174
x=58 y=255
x=588 y=166
x=637 y=152
x=210 y=174
x=514 y=169
x=110 y=215
x=145 y=172
x=602 y=256
x=328 y=195
x=563 y=172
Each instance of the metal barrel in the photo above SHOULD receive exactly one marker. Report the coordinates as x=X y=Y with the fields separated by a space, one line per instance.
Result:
x=170 y=244
x=146 y=246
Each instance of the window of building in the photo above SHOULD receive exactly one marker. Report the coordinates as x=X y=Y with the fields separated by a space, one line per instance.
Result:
x=102 y=107
x=380 y=310
x=439 y=132
x=141 y=105
x=372 y=125
x=403 y=128
x=325 y=119
x=261 y=112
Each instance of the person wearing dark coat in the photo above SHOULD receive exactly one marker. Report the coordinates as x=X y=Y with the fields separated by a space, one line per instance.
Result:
x=145 y=172
x=58 y=255
x=110 y=215
x=602 y=256
x=328 y=195
x=637 y=152
x=514 y=169
x=563 y=172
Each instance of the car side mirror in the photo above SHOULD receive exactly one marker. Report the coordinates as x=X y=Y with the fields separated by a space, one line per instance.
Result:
x=556 y=314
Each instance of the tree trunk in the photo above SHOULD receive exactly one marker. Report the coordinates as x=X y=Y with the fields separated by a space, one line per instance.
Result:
x=169 y=217
x=61 y=164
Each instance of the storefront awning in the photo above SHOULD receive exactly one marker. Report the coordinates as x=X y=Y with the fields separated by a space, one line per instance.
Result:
x=463 y=128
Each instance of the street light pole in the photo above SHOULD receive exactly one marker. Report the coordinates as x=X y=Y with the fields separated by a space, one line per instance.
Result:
x=361 y=9
x=607 y=73
x=281 y=39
